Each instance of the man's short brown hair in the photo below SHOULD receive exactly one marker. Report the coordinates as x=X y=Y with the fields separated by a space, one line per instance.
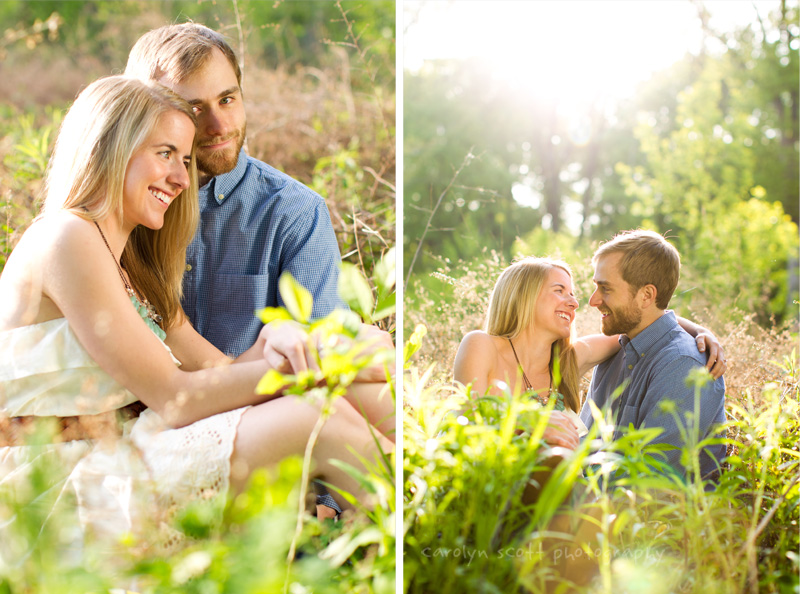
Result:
x=177 y=51
x=647 y=259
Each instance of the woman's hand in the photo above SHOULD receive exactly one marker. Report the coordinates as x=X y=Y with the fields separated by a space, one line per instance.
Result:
x=561 y=431
x=287 y=347
x=707 y=342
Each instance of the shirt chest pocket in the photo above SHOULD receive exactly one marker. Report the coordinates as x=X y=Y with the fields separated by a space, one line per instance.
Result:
x=238 y=296
x=628 y=415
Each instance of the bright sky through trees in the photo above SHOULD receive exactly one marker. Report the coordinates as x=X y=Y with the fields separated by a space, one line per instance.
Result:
x=580 y=47
x=576 y=54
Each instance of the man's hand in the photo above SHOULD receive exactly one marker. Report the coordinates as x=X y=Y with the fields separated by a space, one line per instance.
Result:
x=287 y=347
x=561 y=431
x=376 y=340
x=707 y=342
x=372 y=340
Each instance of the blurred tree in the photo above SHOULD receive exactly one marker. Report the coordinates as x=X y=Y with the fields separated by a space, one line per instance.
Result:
x=760 y=77
x=704 y=179
x=277 y=34
x=703 y=151
x=458 y=109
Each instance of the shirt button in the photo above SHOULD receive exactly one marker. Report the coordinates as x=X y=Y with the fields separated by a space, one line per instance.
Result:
x=642 y=354
x=220 y=196
x=188 y=267
x=630 y=366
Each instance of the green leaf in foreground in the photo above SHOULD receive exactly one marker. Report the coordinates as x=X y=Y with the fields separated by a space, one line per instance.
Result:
x=270 y=314
x=413 y=344
x=296 y=297
x=271 y=382
x=384 y=273
x=355 y=290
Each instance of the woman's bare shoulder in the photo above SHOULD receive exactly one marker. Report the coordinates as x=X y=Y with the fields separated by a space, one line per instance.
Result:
x=64 y=239
x=35 y=260
x=61 y=230
x=475 y=360
x=479 y=349
x=62 y=224
x=480 y=340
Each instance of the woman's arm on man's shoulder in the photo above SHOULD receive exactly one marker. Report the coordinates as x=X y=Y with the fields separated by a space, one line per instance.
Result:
x=706 y=342
x=593 y=349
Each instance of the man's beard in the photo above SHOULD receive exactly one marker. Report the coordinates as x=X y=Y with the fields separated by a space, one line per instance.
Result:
x=622 y=321
x=220 y=161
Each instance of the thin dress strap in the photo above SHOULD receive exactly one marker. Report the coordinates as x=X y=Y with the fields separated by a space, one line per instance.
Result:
x=525 y=381
x=148 y=310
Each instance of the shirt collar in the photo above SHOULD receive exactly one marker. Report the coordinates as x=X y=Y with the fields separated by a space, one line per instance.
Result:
x=221 y=185
x=644 y=342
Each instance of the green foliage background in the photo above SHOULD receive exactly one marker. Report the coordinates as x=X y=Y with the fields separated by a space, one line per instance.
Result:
x=705 y=152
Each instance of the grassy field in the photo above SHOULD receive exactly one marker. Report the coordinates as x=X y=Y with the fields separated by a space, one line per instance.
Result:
x=466 y=528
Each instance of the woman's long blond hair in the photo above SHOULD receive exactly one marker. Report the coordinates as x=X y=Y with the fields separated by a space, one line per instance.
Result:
x=108 y=122
x=511 y=310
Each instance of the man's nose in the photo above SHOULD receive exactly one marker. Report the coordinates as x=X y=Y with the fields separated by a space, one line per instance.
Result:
x=213 y=123
x=595 y=300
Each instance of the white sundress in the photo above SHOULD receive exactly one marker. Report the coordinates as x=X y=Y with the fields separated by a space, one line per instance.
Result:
x=120 y=484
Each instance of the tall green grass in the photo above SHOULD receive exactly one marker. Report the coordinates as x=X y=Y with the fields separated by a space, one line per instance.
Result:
x=608 y=519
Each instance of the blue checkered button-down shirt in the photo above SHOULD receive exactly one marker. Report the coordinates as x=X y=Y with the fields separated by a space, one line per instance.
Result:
x=657 y=362
x=256 y=223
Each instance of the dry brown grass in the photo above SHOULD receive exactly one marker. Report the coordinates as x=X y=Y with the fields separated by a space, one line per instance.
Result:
x=755 y=354
x=294 y=120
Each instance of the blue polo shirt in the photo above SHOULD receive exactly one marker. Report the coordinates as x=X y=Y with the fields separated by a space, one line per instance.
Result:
x=656 y=363
x=256 y=223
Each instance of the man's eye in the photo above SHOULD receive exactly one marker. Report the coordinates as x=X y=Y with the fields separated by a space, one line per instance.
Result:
x=226 y=100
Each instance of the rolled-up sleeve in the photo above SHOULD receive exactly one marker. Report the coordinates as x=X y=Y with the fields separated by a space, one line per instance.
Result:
x=311 y=256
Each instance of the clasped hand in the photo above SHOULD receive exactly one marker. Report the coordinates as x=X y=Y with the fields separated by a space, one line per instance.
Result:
x=289 y=348
x=561 y=431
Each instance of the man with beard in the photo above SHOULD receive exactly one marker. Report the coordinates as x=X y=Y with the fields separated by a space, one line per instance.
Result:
x=255 y=221
x=636 y=274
